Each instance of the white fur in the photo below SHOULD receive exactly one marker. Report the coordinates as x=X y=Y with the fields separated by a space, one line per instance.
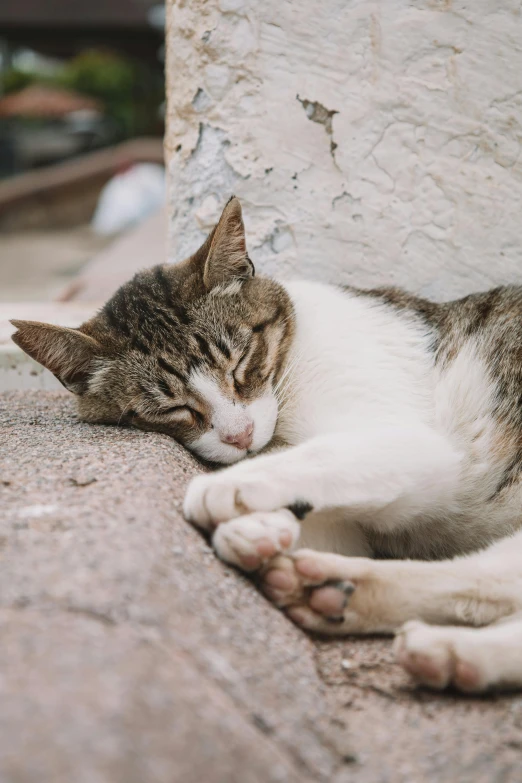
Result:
x=231 y=418
x=239 y=538
x=350 y=357
x=383 y=442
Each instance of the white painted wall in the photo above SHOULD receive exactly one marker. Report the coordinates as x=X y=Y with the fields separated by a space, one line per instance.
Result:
x=369 y=142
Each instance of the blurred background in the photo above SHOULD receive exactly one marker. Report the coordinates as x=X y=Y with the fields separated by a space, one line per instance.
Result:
x=81 y=126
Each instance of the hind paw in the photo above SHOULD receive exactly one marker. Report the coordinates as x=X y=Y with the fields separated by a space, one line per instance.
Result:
x=318 y=595
x=439 y=657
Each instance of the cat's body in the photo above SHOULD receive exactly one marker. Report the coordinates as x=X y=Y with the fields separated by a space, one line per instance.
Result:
x=363 y=363
x=402 y=421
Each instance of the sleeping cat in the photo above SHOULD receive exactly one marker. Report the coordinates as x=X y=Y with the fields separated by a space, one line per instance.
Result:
x=402 y=429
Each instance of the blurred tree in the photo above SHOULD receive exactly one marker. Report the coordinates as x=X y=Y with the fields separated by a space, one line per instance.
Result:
x=130 y=91
x=14 y=80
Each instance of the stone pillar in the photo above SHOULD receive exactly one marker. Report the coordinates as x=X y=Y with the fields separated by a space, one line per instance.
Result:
x=369 y=142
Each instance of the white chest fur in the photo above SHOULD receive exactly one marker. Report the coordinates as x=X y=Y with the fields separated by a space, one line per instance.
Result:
x=352 y=358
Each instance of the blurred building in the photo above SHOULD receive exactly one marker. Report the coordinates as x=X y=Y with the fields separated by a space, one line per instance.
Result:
x=62 y=28
x=77 y=76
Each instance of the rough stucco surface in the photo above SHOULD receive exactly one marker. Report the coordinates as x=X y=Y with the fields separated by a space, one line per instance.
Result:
x=130 y=654
x=370 y=142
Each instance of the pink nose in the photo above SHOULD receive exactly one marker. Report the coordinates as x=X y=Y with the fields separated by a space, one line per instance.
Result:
x=243 y=440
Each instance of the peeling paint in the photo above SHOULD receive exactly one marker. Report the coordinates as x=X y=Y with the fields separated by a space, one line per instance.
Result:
x=201 y=101
x=344 y=198
x=409 y=169
x=316 y=112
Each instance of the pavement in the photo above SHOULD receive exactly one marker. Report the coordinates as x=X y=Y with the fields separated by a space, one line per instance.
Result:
x=130 y=654
x=142 y=246
x=36 y=265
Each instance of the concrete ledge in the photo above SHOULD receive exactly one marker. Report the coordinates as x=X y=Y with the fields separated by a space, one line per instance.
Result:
x=131 y=654
x=19 y=371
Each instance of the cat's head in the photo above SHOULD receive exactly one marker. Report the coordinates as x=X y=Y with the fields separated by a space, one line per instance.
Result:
x=194 y=350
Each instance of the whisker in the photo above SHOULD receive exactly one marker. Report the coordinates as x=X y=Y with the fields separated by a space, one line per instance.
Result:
x=284 y=380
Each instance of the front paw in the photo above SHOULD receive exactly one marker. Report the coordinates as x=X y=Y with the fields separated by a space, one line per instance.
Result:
x=250 y=541
x=218 y=497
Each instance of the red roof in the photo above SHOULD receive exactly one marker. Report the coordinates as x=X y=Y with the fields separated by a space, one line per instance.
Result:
x=40 y=101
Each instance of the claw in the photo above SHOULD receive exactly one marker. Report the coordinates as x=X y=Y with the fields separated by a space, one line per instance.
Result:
x=345 y=587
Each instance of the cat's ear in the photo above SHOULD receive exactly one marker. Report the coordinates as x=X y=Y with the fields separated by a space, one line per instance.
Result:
x=67 y=353
x=227 y=258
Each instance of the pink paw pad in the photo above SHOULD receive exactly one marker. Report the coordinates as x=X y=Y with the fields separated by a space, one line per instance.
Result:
x=330 y=601
x=467 y=676
x=298 y=614
x=424 y=668
x=280 y=580
x=265 y=547
x=285 y=539
x=308 y=568
x=251 y=562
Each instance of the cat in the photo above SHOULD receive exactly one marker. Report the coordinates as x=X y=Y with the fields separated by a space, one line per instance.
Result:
x=401 y=424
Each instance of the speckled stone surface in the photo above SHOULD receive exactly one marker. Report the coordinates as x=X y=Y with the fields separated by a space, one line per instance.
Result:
x=130 y=654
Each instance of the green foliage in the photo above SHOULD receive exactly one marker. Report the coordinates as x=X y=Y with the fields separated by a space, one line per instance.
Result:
x=129 y=91
x=14 y=80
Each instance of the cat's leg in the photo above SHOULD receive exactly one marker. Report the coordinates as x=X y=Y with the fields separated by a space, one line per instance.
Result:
x=470 y=659
x=343 y=595
x=412 y=467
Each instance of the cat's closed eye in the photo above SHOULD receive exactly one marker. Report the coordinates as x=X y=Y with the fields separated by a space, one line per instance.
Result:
x=184 y=412
x=238 y=373
x=178 y=409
